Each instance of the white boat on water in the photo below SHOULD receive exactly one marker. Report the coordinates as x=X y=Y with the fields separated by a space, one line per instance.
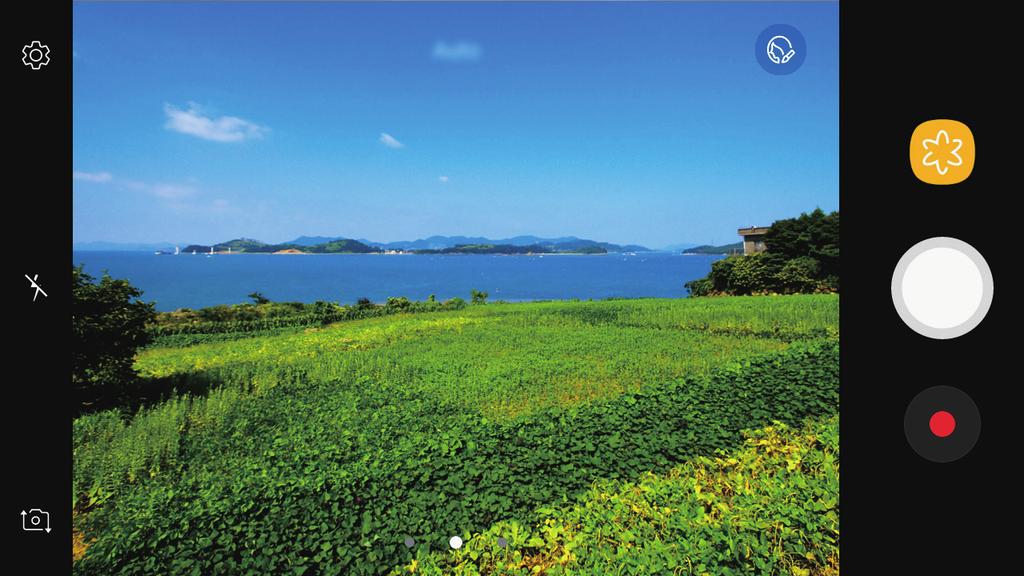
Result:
x=177 y=251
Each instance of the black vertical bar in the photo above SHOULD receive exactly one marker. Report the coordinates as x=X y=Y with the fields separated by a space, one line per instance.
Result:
x=37 y=426
x=900 y=67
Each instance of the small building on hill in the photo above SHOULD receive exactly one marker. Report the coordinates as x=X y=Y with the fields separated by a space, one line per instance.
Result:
x=753 y=239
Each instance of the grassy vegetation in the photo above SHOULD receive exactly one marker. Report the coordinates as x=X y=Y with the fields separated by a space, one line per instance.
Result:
x=186 y=327
x=770 y=507
x=318 y=451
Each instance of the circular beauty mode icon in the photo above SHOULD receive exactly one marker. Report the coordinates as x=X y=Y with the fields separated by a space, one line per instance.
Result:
x=780 y=49
x=942 y=424
x=942 y=288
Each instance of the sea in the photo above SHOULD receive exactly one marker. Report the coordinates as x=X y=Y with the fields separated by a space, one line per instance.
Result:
x=200 y=280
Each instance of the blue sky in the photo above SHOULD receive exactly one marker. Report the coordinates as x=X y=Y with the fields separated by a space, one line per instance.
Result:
x=646 y=123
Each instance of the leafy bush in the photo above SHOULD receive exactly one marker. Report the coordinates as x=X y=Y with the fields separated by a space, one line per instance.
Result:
x=751 y=274
x=108 y=326
x=801 y=275
x=770 y=507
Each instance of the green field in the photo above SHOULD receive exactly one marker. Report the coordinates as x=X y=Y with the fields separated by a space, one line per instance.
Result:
x=318 y=451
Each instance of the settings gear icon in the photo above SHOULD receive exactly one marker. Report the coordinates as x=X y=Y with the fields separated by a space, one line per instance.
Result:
x=35 y=55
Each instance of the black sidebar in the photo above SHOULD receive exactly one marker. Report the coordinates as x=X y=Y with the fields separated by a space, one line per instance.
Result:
x=929 y=482
x=37 y=207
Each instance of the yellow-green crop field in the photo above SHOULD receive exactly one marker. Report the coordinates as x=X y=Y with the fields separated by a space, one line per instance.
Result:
x=320 y=451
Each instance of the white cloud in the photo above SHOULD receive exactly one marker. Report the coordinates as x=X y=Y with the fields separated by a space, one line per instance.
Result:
x=457 y=51
x=443 y=179
x=92 y=176
x=220 y=129
x=171 y=191
x=390 y=141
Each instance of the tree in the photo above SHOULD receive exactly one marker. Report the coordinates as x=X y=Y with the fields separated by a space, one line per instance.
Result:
x=259 y=298
x=478 y=297
x=109 y=325
x=802 y=256
x=401 y=303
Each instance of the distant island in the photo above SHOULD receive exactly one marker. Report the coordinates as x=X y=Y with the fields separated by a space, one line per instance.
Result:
x=431 y=245
x=510 y=249
x=250 y=246
x=735 y=248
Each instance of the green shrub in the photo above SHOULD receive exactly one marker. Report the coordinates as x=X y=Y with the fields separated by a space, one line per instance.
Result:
x=752 y=274
x=800 y=275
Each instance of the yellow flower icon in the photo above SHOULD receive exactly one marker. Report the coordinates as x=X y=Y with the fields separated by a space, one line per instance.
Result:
x=942 y=152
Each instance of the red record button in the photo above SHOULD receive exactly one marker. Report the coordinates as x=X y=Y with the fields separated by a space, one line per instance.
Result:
x=942 y=424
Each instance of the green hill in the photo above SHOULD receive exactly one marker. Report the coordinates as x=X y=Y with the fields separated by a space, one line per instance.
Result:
x=240 y=244
x=250 y=246
x=512 y=249
x=343 y=246
x=734 y=248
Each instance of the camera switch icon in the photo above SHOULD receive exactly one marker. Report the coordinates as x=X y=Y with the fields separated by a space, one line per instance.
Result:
x=35 y=520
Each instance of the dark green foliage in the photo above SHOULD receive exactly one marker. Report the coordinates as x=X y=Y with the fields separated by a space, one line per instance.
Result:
x=771 y=507
x=802 y=257
x=814 y=235
x=278 y=487
x=258 y=298
x=478 y=297
x=108 y=326
x=800 y=275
